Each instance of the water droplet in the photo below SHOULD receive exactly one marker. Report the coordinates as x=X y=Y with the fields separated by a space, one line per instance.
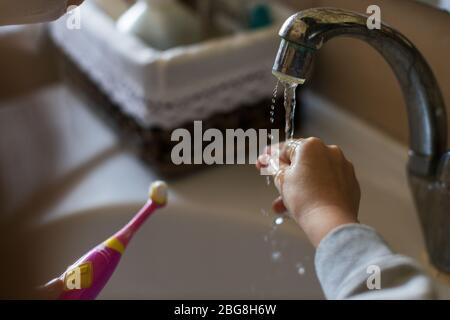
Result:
x=272 y=230
x=266 y=238
x=264 y=212
x=274 y=100
x=300 y=268
x=279 y=221
x=268 y=180
x=276 y=255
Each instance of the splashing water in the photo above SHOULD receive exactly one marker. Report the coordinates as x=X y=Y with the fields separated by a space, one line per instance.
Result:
x=274 y=101
x=280 y=249
x=276 y=255
x=272 y=117
x=278 y=221
x=300 y=268
x=290 y=104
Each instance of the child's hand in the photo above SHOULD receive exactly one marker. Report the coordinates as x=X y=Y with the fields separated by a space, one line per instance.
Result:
x=317 y=185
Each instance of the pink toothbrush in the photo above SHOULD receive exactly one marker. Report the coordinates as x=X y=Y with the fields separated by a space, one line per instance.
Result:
x=87 y=277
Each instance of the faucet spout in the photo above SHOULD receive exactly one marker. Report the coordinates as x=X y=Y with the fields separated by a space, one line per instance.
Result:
x=307 y=31
x=429 y=161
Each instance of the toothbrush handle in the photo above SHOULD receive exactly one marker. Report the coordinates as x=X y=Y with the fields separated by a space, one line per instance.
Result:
x=88 y=276
x=127 y=232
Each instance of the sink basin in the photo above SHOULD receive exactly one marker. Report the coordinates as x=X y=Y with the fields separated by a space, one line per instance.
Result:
x=182 y=253
x=216 y=238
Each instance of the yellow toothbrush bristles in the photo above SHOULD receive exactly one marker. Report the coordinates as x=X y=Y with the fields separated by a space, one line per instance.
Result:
x=158 y=192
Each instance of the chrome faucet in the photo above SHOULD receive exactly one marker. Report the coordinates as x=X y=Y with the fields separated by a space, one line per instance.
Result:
x=429 y=160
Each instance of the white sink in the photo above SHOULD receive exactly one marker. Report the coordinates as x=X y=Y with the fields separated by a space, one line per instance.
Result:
x=210 y=240
x=182 y=253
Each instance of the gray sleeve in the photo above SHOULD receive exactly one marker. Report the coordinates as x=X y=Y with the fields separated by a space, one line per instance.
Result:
x=348 y=260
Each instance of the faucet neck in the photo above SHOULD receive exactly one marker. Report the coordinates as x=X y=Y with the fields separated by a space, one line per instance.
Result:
x=311 y=29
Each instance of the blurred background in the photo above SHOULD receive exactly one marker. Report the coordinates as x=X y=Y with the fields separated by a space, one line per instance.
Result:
x=28 y=61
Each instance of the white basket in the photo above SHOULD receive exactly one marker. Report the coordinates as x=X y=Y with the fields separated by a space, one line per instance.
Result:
x=168 y=88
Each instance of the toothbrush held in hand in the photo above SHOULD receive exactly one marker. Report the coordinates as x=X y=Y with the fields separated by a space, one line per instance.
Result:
x=87 y=277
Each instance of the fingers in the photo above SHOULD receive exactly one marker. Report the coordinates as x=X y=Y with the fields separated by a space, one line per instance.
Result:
x=263 y=161
x=284 y=152
x=272 y=160
x=281 y=159
x=277 y=159
x=278 y=179
x=287 y=153
x=290 y=150
x=336 y=151
x=338 y=154
x=349 y=171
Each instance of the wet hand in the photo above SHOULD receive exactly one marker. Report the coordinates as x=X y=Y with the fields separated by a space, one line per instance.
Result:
x=317 y=185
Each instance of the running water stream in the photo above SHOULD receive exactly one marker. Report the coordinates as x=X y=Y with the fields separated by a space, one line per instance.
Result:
x=290 y=88
x=290 y=103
